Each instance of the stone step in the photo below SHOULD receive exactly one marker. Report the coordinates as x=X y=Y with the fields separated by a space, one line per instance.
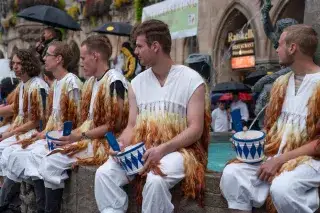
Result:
x=79 y=196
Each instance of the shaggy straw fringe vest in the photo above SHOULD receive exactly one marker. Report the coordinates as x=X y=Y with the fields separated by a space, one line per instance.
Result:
x=154 y=130
x=276 y=127
x=106 y=110
x=33 y=105
x=69 y=109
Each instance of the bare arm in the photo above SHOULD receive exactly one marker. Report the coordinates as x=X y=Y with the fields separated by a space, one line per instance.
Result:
x=269 y=169
x=127 y=134
x=21 y=129
x=309 y=149
x=6 y=111
x=195 y=119
x=26 y=127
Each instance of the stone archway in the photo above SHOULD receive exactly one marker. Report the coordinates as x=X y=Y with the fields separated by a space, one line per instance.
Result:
x=235 y=18
x=286 y=9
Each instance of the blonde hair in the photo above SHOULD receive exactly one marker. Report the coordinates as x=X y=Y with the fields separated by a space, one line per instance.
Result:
x=304 y=36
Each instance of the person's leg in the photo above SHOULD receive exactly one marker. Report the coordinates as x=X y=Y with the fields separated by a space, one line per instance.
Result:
x=296 y=191
x=110 y=196
x=156 y=192
x=9 y=191
x=3 y=145
x=53 y=170
x=241 y=187
x=39 y=191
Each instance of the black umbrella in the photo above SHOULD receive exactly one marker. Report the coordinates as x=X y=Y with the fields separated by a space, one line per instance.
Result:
x=115 y=28
x=49 y=15
x=253 y=77
x=231 y=87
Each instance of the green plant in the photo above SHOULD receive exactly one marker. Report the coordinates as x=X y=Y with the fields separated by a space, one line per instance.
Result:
x=93 y=21
x=138 y=6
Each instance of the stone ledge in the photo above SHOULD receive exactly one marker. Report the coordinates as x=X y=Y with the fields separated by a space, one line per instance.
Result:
x=79 y=196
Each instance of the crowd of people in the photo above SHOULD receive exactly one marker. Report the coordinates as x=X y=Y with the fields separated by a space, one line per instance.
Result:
x=222 y=118
x=165 y=106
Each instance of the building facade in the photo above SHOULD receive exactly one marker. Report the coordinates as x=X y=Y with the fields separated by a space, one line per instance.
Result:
x=230 y=31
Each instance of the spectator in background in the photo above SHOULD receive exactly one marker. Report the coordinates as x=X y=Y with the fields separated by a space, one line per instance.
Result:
x=49 y=35
x=238 y=104
x=7 y=85
x=220 y=118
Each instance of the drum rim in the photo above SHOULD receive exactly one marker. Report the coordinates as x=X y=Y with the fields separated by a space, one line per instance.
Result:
x=249 y=140
x=51 y=138
x=131 y=150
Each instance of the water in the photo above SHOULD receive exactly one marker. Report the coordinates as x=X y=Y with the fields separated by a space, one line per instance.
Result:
x=219 y=155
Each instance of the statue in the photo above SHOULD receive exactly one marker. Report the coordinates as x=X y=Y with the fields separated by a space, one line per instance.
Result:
x=273 y=33
x=264 y=85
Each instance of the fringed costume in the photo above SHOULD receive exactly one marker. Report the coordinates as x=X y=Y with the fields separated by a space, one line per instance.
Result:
x=99 y=106
x=162 y=116
x=6 y=122
x=63 y=104
x=291 y=121
x=29 y=105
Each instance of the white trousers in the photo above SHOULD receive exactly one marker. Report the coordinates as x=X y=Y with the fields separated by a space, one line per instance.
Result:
x=7 y=147
x=23 y=164
x=110 y=178
x=53 y=170
x=295 y=191
x=3 y=158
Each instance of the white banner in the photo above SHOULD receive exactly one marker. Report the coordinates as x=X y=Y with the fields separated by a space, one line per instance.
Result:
x=180 y=15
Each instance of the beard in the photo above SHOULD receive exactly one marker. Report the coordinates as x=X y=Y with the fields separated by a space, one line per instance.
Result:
x=287 y=61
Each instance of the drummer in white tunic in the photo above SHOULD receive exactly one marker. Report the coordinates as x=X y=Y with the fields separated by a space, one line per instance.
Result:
x=167 y=113
x=291 y=173
x=63 y=105
x=28 y=107
x=104 y=107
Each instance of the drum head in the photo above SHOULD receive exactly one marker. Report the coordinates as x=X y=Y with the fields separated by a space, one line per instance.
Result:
x=250 y=135
x=54 y=135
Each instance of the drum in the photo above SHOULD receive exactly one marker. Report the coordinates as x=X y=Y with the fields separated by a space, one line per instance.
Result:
x=131 y=159
x=53 y=136
x=249 y=146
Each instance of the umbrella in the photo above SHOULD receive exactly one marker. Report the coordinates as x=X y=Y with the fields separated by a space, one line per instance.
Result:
x=253 y=77
x=49 y=15
x=216 y=96
x=226 y=97
x=231 y=87
x=115 y=28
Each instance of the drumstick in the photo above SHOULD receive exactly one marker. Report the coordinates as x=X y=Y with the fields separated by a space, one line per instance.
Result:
x=257 y=116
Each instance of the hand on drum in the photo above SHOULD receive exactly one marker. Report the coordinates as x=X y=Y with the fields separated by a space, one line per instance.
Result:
x=114 y=153
x=152 y=156
x=269 y=169
x=73 y=137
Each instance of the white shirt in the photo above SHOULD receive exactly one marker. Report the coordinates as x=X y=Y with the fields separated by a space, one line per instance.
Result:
x=220 y=121
x=243 y=109
x=173 y=97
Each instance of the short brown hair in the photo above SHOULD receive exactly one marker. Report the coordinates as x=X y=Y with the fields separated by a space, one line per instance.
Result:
x=304 y=36
x=63 y=49
x=100 y=44
x=51 y=30
x=155 y=30
x=29 y=62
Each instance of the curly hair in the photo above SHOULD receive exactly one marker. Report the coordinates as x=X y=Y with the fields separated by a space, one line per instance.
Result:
x=100 y=44
x=154 y=30
x=29 y=62
x=63 y=49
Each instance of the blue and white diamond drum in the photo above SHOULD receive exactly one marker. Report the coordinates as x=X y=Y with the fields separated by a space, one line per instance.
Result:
x=249 y=146
x=131 y=159
x=53 y=136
